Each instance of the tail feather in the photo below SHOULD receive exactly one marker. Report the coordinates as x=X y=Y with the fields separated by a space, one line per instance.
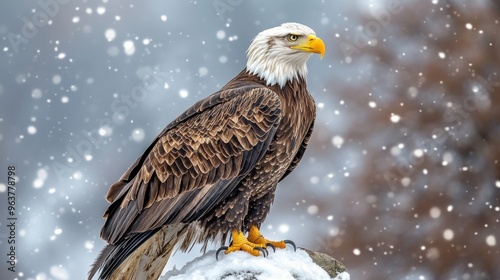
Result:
x=140 y=256
x=98 y=263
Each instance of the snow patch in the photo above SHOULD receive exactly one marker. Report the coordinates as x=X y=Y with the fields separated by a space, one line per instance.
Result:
x=138 y=135
x=284 y=228
x=448 y=234
x=89 y=245
x=312 y=210
x=221 y=34
x=36 y=93
x=435 y=212
x=223 y=59
x=202 y=71
x=110 y=34
x=183 y=93
x=31 y=129
x=56 y=79
x=57 y=231
x=282 y=264
x=59 y=272
x=395 y=118
x=41 y=175
x=129 y=47
x=491 y=240
x=418 y=153
x=105 y=130
x=337 y=141
x=101 y=10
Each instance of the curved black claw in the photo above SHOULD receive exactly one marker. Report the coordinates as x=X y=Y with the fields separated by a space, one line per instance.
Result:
x=291 y=243
x=223 y=248
x=272 y=246
x=262 y=250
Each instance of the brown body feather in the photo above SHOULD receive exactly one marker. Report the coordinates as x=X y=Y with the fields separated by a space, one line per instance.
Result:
x=213 y=169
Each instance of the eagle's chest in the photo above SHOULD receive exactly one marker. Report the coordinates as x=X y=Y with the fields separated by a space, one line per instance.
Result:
x=298 y=115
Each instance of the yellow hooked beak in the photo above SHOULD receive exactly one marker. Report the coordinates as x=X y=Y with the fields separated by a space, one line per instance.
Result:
x=314 y=45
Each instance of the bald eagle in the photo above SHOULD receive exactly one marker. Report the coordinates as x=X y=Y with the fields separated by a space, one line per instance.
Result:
x=213 y=171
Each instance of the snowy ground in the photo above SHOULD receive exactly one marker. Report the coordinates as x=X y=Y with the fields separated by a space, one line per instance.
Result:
x=282 y=264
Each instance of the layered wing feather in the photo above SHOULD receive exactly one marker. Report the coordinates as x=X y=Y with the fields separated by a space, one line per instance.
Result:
x=194 y=163
x=300 y=152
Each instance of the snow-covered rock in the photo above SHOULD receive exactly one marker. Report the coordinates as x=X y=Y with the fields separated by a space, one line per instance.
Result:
x=282 y=264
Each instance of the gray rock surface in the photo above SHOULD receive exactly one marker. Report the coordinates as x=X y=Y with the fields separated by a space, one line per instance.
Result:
x=332 y=266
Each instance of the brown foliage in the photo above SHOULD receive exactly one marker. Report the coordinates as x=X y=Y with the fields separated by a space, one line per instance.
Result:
x=426 y=200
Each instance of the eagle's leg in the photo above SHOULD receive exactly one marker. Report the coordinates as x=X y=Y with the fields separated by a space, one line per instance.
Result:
x=241 y=243
x=256 y=237
x=253 y=244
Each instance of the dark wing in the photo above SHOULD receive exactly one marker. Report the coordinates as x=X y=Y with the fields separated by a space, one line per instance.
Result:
x=301 y=151
x=194 y=163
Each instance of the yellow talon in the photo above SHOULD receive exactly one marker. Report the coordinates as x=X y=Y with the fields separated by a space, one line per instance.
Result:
x=255 y=236
x=240 y=242
x=254 y=244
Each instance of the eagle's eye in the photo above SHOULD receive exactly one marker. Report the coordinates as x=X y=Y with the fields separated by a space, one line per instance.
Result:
x=292 y=37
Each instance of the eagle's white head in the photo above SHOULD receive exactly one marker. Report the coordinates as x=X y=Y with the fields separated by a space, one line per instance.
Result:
x=279 y=54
